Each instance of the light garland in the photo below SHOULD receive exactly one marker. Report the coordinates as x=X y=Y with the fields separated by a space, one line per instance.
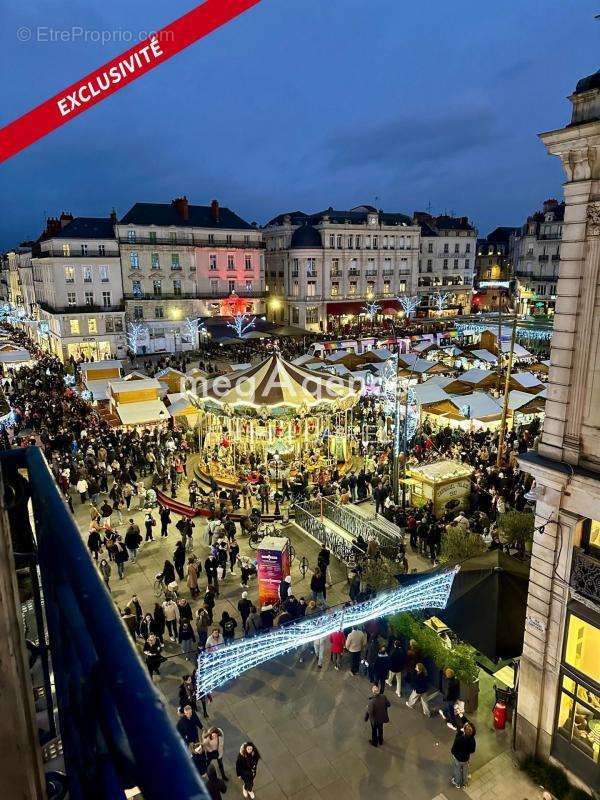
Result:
x=194 y=328
x=441 y=300
x=471 y=328
x=8 y=420
x=409 y=304
x=134 y=334
x=371 y=309
x=217 y=667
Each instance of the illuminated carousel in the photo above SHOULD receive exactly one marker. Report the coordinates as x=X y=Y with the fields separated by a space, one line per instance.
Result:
x=275 y=417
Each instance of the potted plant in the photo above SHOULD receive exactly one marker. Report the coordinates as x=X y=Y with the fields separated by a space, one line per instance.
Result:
x=459 y=543
x=462 y=660
x=516 y=529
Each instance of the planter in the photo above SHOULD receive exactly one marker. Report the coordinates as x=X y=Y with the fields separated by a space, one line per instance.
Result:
x=470 y=694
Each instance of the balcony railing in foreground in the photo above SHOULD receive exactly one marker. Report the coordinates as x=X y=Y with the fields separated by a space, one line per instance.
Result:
x=585 y=575
x=115 y=731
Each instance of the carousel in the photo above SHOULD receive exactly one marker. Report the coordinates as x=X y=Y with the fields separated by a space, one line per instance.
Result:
x=275 y=418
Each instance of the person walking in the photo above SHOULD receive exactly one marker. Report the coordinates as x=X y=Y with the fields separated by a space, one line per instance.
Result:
x=320 y=646
x=263 y=493
x=451 y=692
x=187 y=639
x=246 y=766
x=337 y=640
x=165 y=519
x=381 y=668
x=193 y=566
x=317 y=587
x=210 y=569
x=377 y=715
x=462 y=749
x=179 y=556
x=202 y=622
x=149 y=523
x=121 y=556
x=215 y=786
x=94 y=543
x=228 y=625
x=152 y=652
x=244 y=607
x=171 y=611
x=355 y=641
x=397 y=664
x=213 y=741
x=133 y=540
x=189 y=726
x=419 y=688
x=105 y=570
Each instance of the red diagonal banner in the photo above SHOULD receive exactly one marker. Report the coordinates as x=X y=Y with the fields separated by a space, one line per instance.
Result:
x=119 y=72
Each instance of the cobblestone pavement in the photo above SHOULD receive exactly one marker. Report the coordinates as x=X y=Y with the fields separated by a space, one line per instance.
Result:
x=308 y=723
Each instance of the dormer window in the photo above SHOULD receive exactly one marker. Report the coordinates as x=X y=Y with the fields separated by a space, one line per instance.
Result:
x=372 y=219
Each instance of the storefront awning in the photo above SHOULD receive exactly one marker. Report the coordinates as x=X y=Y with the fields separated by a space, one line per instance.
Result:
x=354 y=307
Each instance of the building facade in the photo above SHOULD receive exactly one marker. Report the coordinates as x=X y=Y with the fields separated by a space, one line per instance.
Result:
x=321 y=269
x=493 y=271
x=76 y=273
x=448 y=246
x=535 y=254
x=180 y=262
x=558 y=713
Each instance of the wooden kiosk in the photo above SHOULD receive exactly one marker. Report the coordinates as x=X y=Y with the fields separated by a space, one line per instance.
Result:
x=446 y=483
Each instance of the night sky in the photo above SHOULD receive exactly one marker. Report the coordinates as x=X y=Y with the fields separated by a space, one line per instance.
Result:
x=304 y=104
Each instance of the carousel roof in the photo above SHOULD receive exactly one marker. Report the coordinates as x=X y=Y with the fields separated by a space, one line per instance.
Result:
x=275 y=382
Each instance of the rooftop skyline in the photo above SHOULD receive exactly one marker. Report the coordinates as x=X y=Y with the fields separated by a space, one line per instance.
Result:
x=302 y=106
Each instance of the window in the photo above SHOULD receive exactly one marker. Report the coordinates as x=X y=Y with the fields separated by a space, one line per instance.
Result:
x=467 y=263
x=172 y=237
x=101 y=250
x=157 y=287
x=456 y=248
x=138 y=312
x=311 y=266
x=311 y=288
x=402 y=286
x=118 y=324
x=131 y=237
x=429 y=265
x=249 y=286
x=211 y=238
x=89 y=298
x=246 y=238
x=108 y=324
x=69 y=274
x=335 y=289
x=84 y=249
x=154 y=261
x=430 y=247
x=152 y=237
x=214 y=286
x=375 y=242
x=445 y=264
x=74 y=327
x=352 y=287
x=295 y=266
x=106 y=301
x=582 y=648
x=71 y=298
x=175 y=261
x=312 y=315
x=455 y=263
x=212 y=261
x=335 y=266
x=248 y=262
x=87 y=274
x=339 y=241
x=104 y=273
x=368 y=242
x=387 y=287
x=350 y=242
x=385 y=242
x=331 y=240
x=446 y=248
x=358 y=241
x=230 y=261
x=231 y=286
x=66 y=249
x=134 y=261
x=467 y=248
x=295 y=288
x=228 y=239
x=370 y=288
x=92 y=325
x=177 y=287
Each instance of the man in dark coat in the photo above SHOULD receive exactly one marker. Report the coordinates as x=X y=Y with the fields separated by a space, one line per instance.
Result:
x=377 y=715
x=189 y=725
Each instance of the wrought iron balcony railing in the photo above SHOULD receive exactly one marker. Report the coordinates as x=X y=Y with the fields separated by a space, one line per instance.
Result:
x=115 y=732
x=585 y=575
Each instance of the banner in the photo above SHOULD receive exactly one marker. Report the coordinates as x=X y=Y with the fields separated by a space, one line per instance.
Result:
x=273 y=567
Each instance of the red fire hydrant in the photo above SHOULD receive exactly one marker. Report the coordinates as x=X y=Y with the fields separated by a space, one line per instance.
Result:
x=499 y=714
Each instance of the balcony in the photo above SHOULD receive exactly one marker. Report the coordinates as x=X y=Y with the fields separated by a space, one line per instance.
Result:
x=542 y=258
x=191 y=241
x=96 y=702
x=371 y=273
x=585 y=575
x=353 y=273
x=55 y=252
x=94 y=308
x=531 y=276
x=243 y=293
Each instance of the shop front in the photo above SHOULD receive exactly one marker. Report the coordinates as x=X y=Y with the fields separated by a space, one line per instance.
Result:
x=89 y=348
x=576 y=740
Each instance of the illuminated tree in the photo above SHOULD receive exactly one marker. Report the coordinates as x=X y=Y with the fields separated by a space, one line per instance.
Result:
x=371 y=309
x=195 y=327
x=135 y=330
x=409 y=304
x=441 y=300
x=241 y=324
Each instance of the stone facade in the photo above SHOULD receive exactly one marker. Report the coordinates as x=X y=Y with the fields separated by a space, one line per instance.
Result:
x=567 y=470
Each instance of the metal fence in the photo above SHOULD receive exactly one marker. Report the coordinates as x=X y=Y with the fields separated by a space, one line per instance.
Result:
x=115 y=731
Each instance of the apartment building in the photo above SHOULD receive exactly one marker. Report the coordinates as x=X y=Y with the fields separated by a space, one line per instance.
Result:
x=17 y=277
x=448 y=247
x=535 y=254
x=76 y=273
x=321 y=269
x=493 y=271
x=558 y=713
x=181 y=262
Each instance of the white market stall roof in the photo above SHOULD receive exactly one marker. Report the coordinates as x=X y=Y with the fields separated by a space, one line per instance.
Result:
x=275 y=382
x=169 y=371
x=474 y=376
x=11 y=354
x=302 y=360
x=517 y=399
x=180 y=402
x=143 y=413
x=382 y=352
x=135 y=376
x=94 y=366
x=483 y=355
x=439 y=380
x=133 y=385
x=442 y=470
x=478 y=405
x=519 y=351
x=527 y=380
x=99 y=389
x=421 y=347
x=426 y=393
x=415 y=364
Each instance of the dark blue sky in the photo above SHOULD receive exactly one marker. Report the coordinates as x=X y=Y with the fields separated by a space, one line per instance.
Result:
x=304 y=104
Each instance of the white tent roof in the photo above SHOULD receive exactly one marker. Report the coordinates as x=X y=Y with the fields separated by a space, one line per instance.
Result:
x=517 y=399
x=527 y=379
x=132 y=386
x=483 y=355
x=426 y=393
x=107 y=363
x=476 y=405
x=474 y=375
x=142 y=413
x=438 y=380
x=382 y=352
x=14 y=356
x=99 y=389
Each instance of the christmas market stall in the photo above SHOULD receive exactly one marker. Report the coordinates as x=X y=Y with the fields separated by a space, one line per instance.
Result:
x=446 y=483
x=275 y=417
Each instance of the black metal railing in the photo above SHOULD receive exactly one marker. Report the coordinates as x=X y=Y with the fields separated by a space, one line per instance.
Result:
x=585 y=575
x=93 y=308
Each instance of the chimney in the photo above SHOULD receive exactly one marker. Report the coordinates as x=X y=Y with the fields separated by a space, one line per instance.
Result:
x=53 y=227
x=214 y=210
x=113 y=217
x=181 y=206
x=65 y=219
x=550 y=204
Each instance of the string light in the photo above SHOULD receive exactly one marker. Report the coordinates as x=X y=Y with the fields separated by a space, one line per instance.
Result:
x=409 y=304
x=241 y=324
x=441 y=300
x=220 y=665
x=135 y=330
x=371 y=310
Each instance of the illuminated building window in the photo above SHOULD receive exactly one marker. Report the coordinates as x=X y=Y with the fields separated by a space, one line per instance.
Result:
x=74 y=327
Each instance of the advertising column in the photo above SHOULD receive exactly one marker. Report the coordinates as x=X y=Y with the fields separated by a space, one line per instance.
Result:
x=273 y=567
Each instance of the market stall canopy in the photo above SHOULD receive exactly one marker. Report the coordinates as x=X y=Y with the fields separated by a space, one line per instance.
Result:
x=526 y=403
x=12 y=354
x=527 y=382
x=291 y=330
x=276 y=382
x=143 y=413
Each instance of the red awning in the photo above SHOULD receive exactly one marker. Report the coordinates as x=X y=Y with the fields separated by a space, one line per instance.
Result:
x=391 y=306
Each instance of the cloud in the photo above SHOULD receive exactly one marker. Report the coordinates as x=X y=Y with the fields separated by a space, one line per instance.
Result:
x=402 y=141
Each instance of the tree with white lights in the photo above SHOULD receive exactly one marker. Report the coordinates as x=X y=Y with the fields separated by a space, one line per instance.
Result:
x=135 y=330
x=409 y=304
x=241 y=324
x=194 y=329
x=371 y=309
x=441 y=300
